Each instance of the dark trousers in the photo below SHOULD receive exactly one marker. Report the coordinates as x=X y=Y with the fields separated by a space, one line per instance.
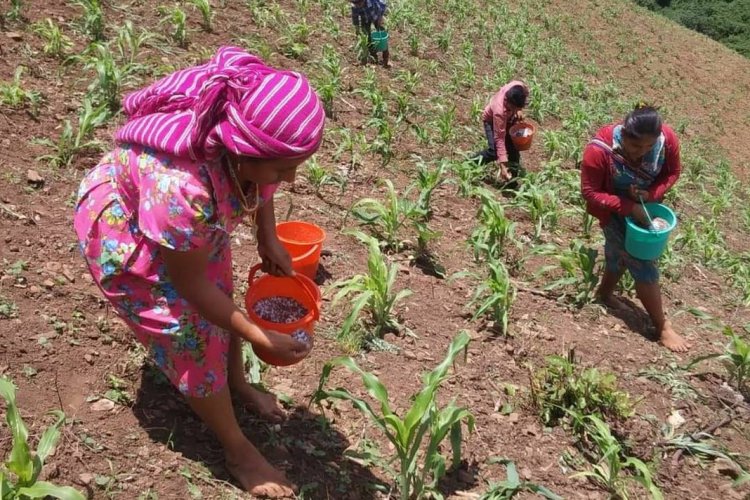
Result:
x=489 y=155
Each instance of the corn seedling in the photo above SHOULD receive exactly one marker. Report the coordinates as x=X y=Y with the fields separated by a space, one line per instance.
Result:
x=611 y=463
x=19 y=475
x=177 y=19
x=512 y=486
x=387 y=219
x=494 y=230
x=417 y=436
x=444 y=39
x=409 y=79
x=428 y=180
x=14 y=14
x=580 y=269
x=541 y=203
x=69 y=144
x=495 y=296
x=318 y=176
x=383 y=142
x=13 y=95
x=55 y=42
x=207 y=14
x=702 y=446
x=562 y=386
x=446 y=119
x=8 y=308
x=672 y=377
x=93 y=18
x=421 y=133
x=129 y=43
x=469 y=174
x=254 y=367
x=736 y=359
x=111 y=77
x=405 y=107
x=373 y=293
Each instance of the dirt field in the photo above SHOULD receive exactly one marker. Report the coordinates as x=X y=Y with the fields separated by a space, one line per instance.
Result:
x=61 y=344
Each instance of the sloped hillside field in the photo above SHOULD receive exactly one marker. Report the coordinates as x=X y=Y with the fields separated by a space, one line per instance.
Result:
x=562 y=397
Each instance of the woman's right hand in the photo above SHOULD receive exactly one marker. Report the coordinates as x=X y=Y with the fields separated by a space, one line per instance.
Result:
x=640 y=215
x=285 y=347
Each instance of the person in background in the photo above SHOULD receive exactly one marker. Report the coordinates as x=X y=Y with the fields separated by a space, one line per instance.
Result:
x=365 y=15
x=504 y=109
x=203 y=148
x=626 y=163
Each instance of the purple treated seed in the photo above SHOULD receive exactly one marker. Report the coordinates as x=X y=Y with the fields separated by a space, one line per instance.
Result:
x=279 y=310
x=301 y=336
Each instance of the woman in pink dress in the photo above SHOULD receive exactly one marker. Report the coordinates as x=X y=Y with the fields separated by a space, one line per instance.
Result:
x=203 y=149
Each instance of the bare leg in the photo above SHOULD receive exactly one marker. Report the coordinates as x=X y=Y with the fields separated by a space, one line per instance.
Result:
x=650 y=295
x=607 y=287
x=262 y=403
x=243 y=460
x=386 y=58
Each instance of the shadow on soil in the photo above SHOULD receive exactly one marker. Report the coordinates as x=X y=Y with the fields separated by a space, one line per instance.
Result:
x=634 y=317
x=305 y=446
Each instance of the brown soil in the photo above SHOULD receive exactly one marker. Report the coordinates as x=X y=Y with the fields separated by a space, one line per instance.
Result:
x=66 y=343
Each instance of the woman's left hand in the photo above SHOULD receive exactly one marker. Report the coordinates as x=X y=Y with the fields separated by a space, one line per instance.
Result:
x=275 y=259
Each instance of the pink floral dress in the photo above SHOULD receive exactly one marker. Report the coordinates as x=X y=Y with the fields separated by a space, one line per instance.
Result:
x=135 y=201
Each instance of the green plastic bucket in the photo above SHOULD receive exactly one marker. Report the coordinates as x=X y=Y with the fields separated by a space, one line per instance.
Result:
x=646 y=244
x=380 y=41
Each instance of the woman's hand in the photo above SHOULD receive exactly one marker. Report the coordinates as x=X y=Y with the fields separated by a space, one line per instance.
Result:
x=640 y=216
x=637 y=194
x=275 y=259
x=503 y=174
x=285 y=347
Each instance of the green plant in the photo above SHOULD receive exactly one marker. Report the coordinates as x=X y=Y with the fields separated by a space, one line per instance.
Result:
x=8 y=310
x=93 y=18
x=469 y=173
x=562 y=386
x=736 y=359
x=373 y=293
x=20 y=472
x=55 y=42
x=111 y=77
x=254 y=367
x=177 y=19
x=494 y=230
x=318 y=176
x=204 y=7
x=671 y=376
x=512 y=486
x=12 y=94
x=540 y=201
x=445 y=122
x=117 y=392
x=69 y=145
x=611 y=463
x=580 y=269
x=386 y=219
x=420 y=464
x=14 y=14
x=129 y=45
x=495 y=296
x=428 y=180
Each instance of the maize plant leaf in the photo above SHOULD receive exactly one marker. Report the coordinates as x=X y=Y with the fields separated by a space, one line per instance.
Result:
x=43 y=489
x=19 y=462
x=643 y=476
x=50 y=437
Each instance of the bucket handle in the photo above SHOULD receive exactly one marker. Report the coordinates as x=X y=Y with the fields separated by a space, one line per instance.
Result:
x=316 y=306
x=305 y=255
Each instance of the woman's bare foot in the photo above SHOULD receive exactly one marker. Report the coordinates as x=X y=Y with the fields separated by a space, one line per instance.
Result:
x=264 y=404
x=256 y=475
x=671 y=340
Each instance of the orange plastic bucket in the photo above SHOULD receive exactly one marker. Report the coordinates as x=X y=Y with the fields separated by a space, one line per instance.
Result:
x=304 y=242
x=522 y=135
x=300 y=288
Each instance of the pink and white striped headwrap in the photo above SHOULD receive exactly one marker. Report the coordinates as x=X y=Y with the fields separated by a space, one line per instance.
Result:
x=233 y=102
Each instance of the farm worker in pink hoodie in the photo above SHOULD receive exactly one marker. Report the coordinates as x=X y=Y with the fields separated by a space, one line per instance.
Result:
x=203 y=149
x=504 y=109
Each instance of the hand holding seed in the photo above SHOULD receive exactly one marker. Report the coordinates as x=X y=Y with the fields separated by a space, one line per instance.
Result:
x=285 y=347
